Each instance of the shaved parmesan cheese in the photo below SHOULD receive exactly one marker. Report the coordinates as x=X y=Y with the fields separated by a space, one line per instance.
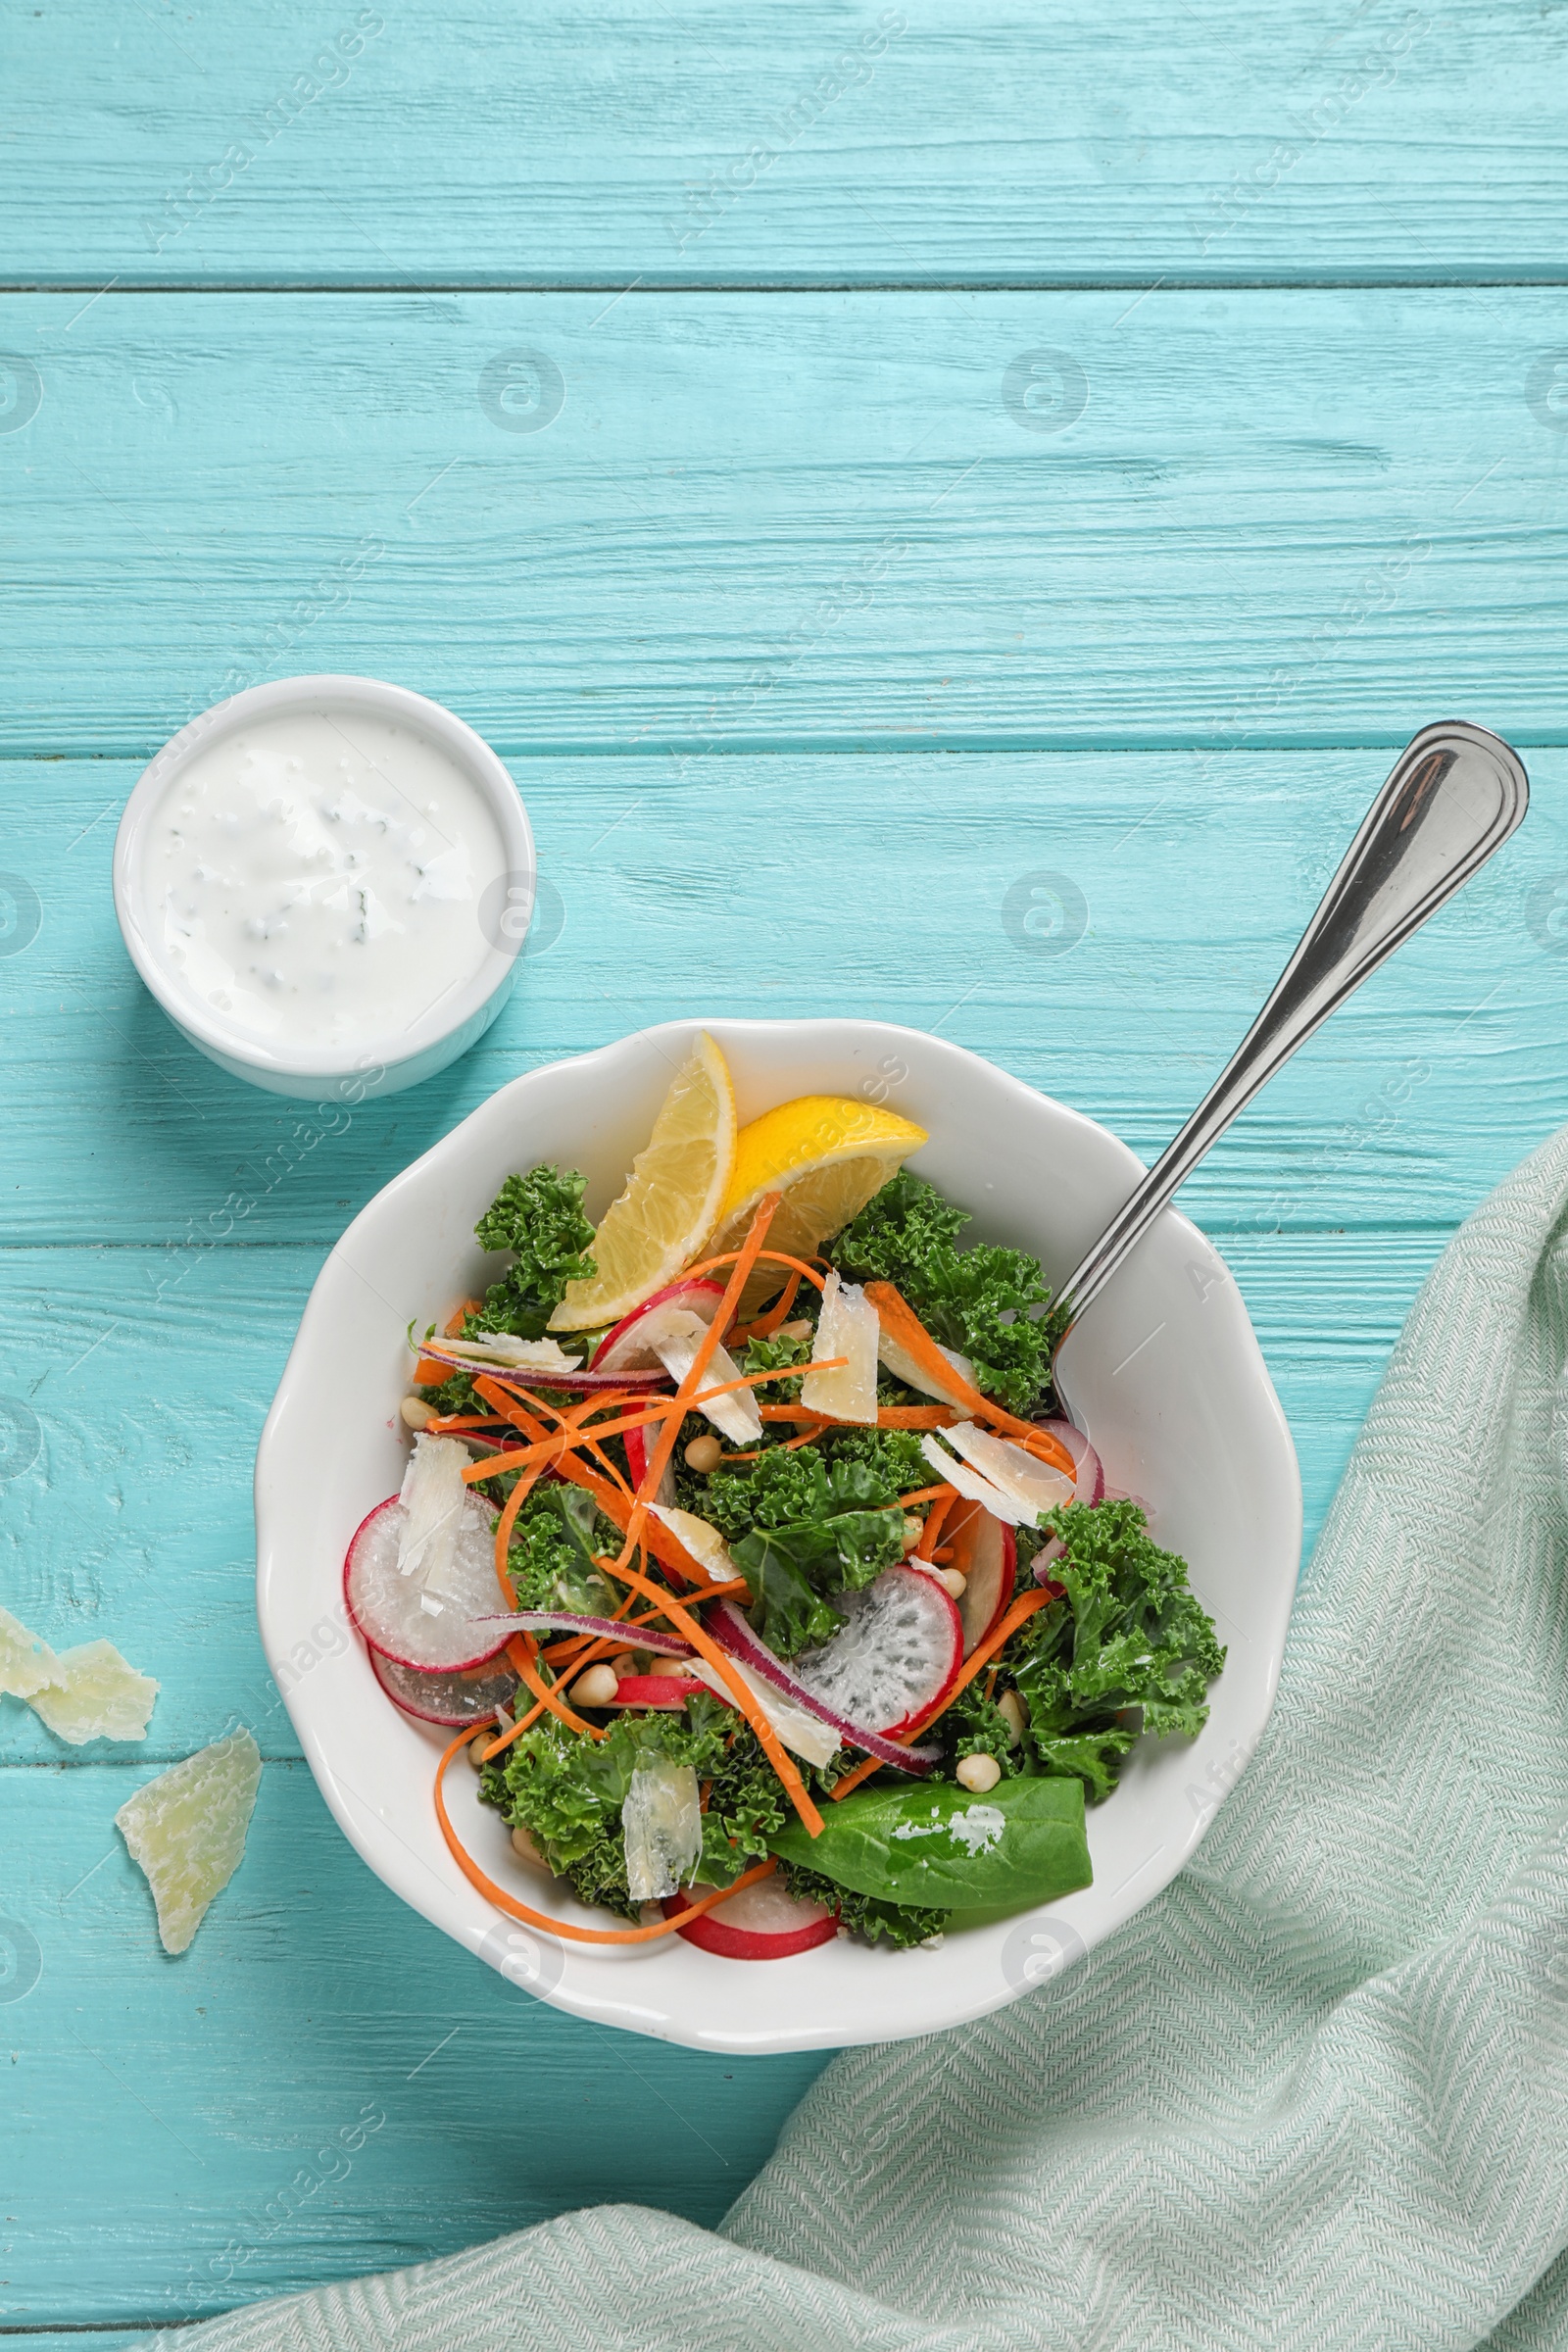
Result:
x=505 y=1349
x=676 y=1344
x=846 y=1326
x=26 y=1662
x=93 y=1694
x=804 y=1735
x=972 y=1485
x=662 y=1825
x=700 y=1538
x=187 y=1831
x=434 y=1498
x=1032 y=1484
x=903 y=1366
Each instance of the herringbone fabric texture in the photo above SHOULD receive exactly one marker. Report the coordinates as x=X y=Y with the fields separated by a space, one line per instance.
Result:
x=1315 y=2095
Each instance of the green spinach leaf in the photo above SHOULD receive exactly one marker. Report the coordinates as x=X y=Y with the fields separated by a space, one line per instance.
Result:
x=937 y=1846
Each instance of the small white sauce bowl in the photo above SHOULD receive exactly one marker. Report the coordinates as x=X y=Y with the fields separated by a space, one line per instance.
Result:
x=380 y=1065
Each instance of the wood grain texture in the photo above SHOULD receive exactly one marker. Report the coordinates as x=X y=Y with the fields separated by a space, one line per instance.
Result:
x=1281 y=517
x=214 y=2102
x=953 y=139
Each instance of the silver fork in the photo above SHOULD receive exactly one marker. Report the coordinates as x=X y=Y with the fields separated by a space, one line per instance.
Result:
x=1456 y=795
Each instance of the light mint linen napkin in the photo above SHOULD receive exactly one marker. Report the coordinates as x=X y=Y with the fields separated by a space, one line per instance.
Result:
x=1316 y=2094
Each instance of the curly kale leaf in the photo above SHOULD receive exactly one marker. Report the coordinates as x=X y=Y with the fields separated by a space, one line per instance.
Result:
x=811 y=1529
x=892 y=1455
x=900 y=1925
x=1128 y=1648
x=978 y=1301
x=539 y=1218
x=550 y=1556
x=567 y=1794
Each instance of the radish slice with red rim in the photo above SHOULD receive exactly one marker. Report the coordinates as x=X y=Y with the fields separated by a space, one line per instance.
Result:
x=410 y=1619
x=763 y=1921
x=985 y=1554
x=1089 y=1475
x=896 y=1657
x=637 y=1464
x=628 y=1347
x=455 y=1699
x=731 y=1630
x=652 y=1690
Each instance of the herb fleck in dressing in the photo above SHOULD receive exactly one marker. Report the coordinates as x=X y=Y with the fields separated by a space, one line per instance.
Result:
x=314 y=878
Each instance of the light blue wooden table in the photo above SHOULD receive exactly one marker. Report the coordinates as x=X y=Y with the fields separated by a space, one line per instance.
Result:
x=852 y=463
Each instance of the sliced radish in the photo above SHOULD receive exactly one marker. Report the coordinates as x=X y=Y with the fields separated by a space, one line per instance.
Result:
x=637 y=1464
x=1089 y=1475
x=848 y=1327
x=984 y=1553
x=629 y=1346
x=450 y=1698
x=652 y=1690
x=903 y=1366
x=700 y=1538
x=407 y=1618
x=896 y=1657
x=763 y=1921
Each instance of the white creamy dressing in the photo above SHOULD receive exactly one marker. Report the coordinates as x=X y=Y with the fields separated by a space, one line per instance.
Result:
x=314 y=878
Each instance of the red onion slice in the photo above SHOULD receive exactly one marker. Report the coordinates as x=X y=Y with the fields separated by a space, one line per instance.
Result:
x=516 y=1376
x=731 y=1631
x=609 y=1629
x=1089 y=1475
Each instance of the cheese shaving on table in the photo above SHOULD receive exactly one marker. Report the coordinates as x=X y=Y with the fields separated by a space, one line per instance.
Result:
x=89 y=1692
x=187 y=1830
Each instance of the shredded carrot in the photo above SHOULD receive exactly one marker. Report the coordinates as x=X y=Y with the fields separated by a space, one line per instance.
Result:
x=773 y=1257
x=1021 y=1612
x=504 y=1527
x=900 y=1321
x=522 y=1650
x=565 y=1929
x=657 y=1408
x=779 y=1312
x=928 y=1494
x=790 y=1445
x=888 y=1416
x=430 y=1374
x=935 y=1521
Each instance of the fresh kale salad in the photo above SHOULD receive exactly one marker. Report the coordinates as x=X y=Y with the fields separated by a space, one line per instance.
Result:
x=744 y=1548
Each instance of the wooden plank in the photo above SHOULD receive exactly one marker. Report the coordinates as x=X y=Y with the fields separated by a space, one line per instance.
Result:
x=323 y=2084
x=965 y=139
x=767 y=886
x=1280 y=519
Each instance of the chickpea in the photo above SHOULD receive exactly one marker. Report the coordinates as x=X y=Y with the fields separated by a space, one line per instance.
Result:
x=416 y=1414
x=953 y=1581
x=1010 y=1707
x=594 y=1687
x=479 y=1742
x=913 y=1530
x=524 y=1847
x=978 y=1774
x=704 y=1454
x=799 y=1330
x=664 y=1665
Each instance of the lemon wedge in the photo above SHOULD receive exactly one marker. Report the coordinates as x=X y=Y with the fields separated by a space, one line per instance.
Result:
x=678 y=1181
x=826 y=1154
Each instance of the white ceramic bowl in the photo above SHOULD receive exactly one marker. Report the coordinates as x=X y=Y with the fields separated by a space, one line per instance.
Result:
x=381 y=1065
x=1165 y=1369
